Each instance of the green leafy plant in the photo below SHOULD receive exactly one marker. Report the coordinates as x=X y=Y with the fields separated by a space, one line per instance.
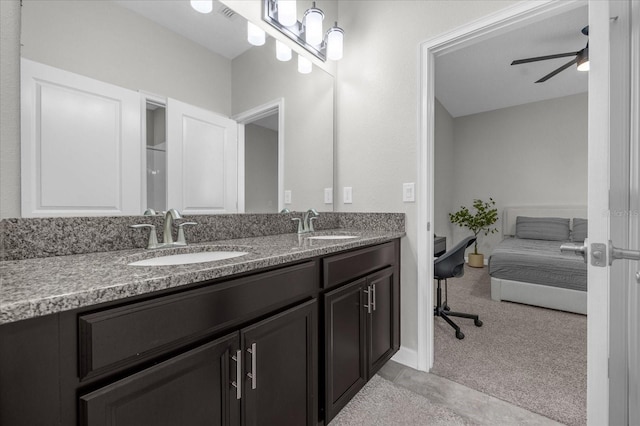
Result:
x=485 y=215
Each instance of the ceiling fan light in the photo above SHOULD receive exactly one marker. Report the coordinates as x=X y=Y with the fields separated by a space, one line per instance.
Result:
x=583 y=60
x=202 y=6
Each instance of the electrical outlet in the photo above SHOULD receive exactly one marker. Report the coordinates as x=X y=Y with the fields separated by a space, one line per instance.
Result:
x=409 y=192
x=348 y=195
x=328 y=195
x=287 y=196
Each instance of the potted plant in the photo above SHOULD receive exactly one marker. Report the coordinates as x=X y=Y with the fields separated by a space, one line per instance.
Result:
x=485 y=215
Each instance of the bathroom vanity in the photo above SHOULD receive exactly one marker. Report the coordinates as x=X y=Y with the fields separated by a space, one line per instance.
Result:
x=287 y=334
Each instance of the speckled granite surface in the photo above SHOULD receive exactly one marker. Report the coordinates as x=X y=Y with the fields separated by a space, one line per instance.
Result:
x=43 y=237
x=39 y=286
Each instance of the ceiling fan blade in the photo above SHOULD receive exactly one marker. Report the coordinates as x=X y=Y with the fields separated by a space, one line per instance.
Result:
x=543 y=58
x=552 y=73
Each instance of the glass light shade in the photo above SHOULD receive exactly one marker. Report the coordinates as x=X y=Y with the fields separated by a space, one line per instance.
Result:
x=313 y=26
x=283 y=52
x=287 y=13
x=335 y=41
x=255 y=34
x=202 y=6
x=304 y=65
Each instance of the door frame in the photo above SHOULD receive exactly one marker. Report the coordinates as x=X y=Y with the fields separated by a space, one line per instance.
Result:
x=248 y=117
x=491 y=25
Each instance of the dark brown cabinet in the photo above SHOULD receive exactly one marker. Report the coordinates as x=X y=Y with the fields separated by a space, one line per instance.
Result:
x=361 y=326
x=263 y=374
x=190 y=389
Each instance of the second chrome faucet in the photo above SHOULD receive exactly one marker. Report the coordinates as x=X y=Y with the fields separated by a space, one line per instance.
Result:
x=305 y=225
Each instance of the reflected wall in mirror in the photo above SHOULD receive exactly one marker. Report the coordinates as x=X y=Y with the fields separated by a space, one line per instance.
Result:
x=108 y=42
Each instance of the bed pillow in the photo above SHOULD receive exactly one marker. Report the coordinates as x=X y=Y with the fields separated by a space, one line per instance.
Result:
x=579 y=232
x=542 y=228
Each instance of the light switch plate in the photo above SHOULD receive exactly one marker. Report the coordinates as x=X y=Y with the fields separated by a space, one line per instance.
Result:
x=348 y=195
x=409 y=192
x=287 y=196
x=328 y=195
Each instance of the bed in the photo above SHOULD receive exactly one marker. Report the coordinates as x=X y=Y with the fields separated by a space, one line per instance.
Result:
x=528 y=266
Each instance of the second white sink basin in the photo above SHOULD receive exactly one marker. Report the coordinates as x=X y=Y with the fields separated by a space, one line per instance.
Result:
x=188 y=258
x=332 y=237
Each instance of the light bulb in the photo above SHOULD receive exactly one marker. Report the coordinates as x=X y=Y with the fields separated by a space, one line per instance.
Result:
x=202 y=6
x=313 y=25
x=283 y=52
x=304 y=65
x=335 y=41
x=287 y=13
x=255 y=34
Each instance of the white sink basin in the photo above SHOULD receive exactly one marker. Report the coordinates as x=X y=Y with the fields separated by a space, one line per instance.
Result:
x=188 y=258
x=332 y=237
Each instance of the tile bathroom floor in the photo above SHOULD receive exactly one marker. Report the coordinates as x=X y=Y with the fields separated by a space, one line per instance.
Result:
x=477 y=407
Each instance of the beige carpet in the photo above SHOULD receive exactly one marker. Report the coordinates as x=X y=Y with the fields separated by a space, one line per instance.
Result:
x=532 y=357
x=382 y=403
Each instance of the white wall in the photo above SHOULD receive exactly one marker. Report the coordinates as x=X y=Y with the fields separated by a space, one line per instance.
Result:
x=378 y=112
x=532 y=154
x=260 y=169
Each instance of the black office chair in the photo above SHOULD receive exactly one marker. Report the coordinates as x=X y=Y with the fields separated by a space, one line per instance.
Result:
x=450 y=265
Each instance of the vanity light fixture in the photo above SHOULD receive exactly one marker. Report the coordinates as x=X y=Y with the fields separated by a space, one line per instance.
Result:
x=283 y=52
x=287 y=13
x=202 y=6
x=312 y=19
x=255 y=34
x=308 y=33
x=304 y=65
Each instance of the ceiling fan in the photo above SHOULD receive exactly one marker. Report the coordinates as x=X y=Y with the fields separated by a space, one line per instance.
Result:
x=581 y=58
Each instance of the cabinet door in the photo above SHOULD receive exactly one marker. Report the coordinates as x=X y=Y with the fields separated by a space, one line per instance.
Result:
x=281 y=368
x=383 y=332
x=345 y=355
x=193 y=389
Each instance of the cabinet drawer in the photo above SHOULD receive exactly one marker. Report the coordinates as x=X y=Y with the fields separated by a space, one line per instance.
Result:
x=117 y=337
x=349 y=266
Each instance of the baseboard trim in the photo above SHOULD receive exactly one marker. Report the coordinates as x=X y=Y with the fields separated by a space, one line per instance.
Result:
x=407 y=357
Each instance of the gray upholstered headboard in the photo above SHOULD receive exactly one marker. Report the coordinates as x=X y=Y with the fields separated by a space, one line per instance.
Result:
x=511 y=213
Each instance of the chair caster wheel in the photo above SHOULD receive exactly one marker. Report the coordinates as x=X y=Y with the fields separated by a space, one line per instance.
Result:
x=459 y=335
x=446 y=308
x=478 y=323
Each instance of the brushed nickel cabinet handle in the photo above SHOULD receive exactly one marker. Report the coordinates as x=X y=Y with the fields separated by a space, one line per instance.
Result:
x=368 y=305
x=253 y=374
x=373 y=296
x=237 y=383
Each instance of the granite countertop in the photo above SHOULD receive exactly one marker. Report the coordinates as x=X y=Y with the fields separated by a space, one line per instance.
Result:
x=35 y=287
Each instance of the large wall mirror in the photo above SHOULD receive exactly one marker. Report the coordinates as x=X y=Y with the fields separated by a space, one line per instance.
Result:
x=166 y=50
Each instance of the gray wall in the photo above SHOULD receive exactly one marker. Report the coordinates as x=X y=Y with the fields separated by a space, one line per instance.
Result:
x=532 y=154
x=444 y=174
x=260 y=169
x=9 y=108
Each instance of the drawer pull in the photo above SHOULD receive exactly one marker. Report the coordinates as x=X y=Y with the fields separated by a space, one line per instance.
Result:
x=253 y=375
x=237 y=383
x=368 y=305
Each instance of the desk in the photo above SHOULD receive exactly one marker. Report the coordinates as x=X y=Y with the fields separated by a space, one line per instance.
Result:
x=439 y=246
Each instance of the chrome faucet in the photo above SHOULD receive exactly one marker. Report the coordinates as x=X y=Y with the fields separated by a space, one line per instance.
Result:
x=169 y=217
x=305 y=225
x=167 y=237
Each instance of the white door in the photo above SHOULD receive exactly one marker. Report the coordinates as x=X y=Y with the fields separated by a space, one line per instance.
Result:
x=612 y=390
x=202 y=160
x=80 y=142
